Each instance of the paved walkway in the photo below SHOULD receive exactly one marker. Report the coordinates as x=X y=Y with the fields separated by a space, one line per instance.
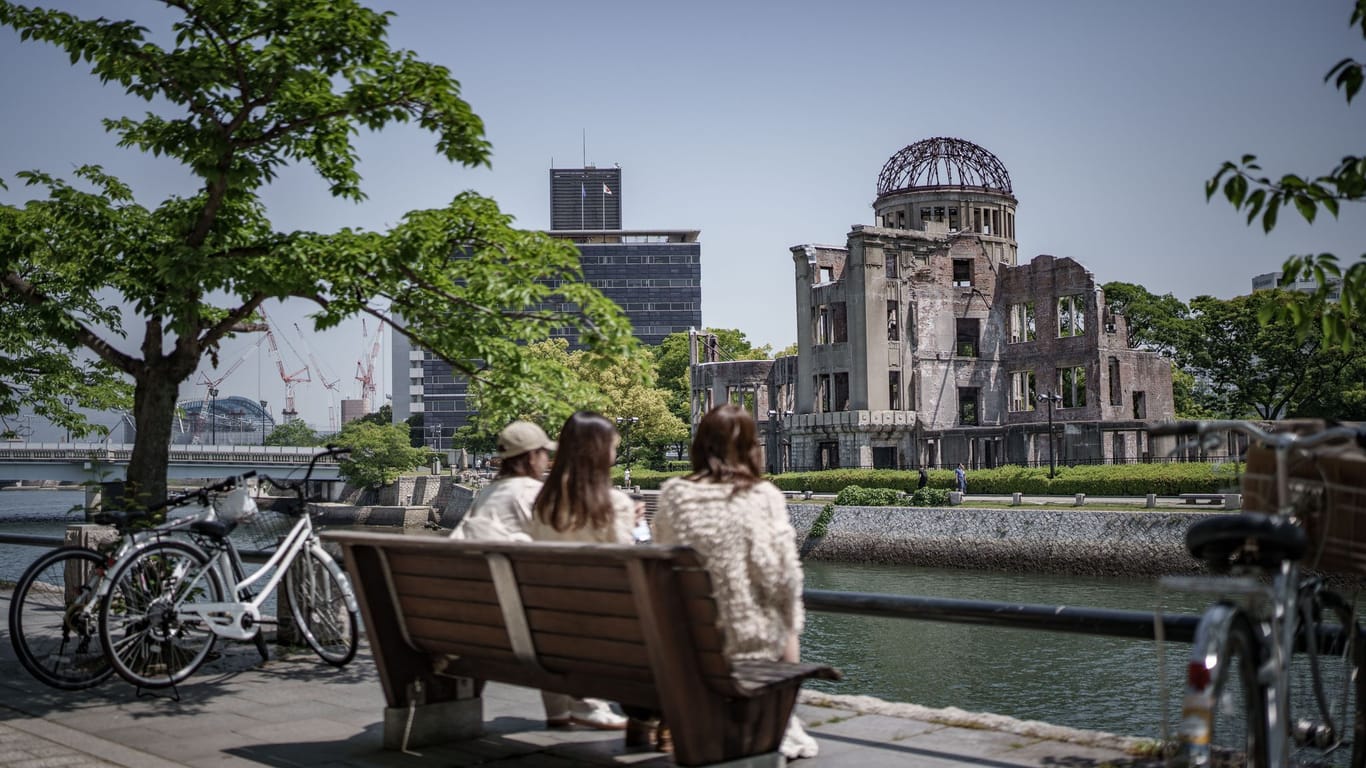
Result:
x=296 y=711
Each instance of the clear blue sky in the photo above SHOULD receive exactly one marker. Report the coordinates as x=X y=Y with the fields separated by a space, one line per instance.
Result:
x=765 y=126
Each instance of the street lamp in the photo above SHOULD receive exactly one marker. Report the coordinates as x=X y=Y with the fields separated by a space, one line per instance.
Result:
x=68 y=401
x=624 y=424
x=213 y=421
x=264 y=406
x=1050 y=398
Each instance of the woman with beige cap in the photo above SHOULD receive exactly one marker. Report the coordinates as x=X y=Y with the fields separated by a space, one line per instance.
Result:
x=503 y=511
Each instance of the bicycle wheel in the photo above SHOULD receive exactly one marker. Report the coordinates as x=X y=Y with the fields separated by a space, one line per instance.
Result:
x=1325 y=684
x=53 y=622
x=1223 y=718
x=152 y=641
x=318 y=603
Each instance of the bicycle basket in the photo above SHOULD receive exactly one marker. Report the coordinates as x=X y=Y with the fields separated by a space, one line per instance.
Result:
x=267 y=528
x=1329 y=494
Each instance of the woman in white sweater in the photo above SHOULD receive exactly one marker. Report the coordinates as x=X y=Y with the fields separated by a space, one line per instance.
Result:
x=738 y=523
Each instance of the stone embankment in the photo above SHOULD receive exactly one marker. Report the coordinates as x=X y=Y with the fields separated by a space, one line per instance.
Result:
x=1077 y=541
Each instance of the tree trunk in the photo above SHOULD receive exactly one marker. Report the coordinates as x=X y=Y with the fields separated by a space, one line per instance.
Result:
x=154 y=403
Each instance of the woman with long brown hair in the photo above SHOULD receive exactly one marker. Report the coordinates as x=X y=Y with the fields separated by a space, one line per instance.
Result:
x=738 y=523
x=578 y=503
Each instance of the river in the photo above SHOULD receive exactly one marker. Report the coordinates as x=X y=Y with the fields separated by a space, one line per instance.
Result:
x=1075 y=680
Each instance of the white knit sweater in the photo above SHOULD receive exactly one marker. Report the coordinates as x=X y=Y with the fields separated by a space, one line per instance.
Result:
x=750 y=549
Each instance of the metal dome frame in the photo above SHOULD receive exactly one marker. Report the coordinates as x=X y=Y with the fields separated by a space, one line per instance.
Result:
x=943 y=162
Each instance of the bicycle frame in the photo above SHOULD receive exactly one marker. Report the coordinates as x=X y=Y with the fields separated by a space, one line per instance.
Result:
x=240 y=619
x=1274 y=612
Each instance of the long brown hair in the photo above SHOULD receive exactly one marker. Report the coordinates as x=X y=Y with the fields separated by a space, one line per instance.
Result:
x=725 y=450
x=576 y=495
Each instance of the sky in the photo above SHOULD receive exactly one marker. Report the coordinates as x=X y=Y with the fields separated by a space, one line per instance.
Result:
x=766 y=126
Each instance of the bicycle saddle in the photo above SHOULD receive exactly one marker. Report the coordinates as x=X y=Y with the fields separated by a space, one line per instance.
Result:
x=119 y=518
x=1247 y=538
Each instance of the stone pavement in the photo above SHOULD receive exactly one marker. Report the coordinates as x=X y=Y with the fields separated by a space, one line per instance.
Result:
x=296 y=711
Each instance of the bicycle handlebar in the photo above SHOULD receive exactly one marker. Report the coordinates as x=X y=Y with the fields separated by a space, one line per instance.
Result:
x=1272 y=439
x=298 y=485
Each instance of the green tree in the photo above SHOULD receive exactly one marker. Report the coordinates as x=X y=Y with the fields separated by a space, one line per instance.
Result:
x=246 y=89
x=379 y=454
x=295 y=432
x=383 y=417
x=1247 y=189
x=1252 y=369
x=1155 y=323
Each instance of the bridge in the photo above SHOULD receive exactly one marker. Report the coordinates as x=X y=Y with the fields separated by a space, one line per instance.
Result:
x=82 y=462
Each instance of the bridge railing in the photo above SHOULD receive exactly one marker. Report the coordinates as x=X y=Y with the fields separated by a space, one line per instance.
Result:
x=120 y=452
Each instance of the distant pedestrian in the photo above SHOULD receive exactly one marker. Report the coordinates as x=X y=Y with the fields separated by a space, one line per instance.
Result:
x=962 y=476
x=924 y=479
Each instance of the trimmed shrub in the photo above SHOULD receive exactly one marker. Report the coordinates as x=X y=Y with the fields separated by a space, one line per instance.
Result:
x=1163 y=479
x=858 y=496
x=822 y=523
x=930 y=497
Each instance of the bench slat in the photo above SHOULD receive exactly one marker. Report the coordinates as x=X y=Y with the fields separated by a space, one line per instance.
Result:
x=599 y=604
x=463 y=565
x=566 y=623
x=586 y=649
x=457 y=611
x=492 y=640
x=451 y=589
x=602 y=578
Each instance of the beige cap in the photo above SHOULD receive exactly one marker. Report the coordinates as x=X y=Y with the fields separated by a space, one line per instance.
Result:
x=520 y=437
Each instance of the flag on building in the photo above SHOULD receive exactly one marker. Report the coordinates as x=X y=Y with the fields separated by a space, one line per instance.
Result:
x=606 y=190
x=582 y=192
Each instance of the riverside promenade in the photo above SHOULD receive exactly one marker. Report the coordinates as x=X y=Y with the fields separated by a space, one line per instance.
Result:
x=296 y=711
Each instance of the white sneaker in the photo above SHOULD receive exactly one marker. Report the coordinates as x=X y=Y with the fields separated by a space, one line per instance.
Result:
x=797 y=743
x=597 y=714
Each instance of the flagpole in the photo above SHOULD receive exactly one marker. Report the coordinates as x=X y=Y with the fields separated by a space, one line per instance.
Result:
x=604 y=206
x=583 y=196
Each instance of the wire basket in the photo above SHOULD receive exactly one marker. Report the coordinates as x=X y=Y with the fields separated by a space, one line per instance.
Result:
x=1329 y=497
x=266 y=528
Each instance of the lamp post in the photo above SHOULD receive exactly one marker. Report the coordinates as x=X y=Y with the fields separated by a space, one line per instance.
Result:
x=624 y=424
x=1050 y=398
x=213 y=420
x=264 y=406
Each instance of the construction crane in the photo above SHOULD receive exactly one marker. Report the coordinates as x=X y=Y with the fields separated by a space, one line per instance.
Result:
x=332 y=386
x=365 y=368
x=211 y=389
x=290 y=413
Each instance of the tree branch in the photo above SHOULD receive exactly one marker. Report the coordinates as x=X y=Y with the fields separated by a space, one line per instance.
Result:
x=83 y=335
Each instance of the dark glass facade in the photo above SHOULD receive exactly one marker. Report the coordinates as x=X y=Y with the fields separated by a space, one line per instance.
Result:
x=585 y=198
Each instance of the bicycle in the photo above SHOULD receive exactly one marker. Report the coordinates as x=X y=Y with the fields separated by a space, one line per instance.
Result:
x=171 y=599
x=54 y=609
x=1274 y=674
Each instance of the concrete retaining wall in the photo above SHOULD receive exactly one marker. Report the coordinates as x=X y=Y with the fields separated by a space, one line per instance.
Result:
x=1023 y=540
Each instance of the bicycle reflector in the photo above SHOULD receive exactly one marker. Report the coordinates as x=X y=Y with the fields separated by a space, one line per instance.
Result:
x=1197 y=675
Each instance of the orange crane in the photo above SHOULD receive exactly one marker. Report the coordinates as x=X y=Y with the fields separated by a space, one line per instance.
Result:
x=332 y=386
x=289 y=413
x=365 y=368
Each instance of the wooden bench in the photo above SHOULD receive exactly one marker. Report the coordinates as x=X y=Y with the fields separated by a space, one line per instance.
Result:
x=631 y=624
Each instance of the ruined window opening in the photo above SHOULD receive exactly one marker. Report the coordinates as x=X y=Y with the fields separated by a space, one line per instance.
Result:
x=1118 y=452
x=996 y=221
x=938 y=213
x=842 y=391
x=924 y=216
x=1022 y=392
x=1140 y=405
x=823 y=394
x=900 y=219
x=1072 y=386
x=828 y=452
x=884 y=457
x=894 y=390
x=977 y=220
x=839 y=323
x=827 y=274
x=967 y=406
x=1010 y=225
x=967 y=331
x=1022 y=322
x=953 y=219
x=1071 y=315
x=822 y=330
x=962 y=272
x=887 y=221
x=1116 y=393
x=893 y=321
x=889 y=263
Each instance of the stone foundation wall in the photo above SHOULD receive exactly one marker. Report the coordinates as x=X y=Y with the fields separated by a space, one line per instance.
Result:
x=1022 y=540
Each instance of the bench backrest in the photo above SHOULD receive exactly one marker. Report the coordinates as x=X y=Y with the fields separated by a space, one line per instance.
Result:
x=602 y=620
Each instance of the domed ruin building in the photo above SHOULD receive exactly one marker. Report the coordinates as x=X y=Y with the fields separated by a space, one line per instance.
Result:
x=922 y=342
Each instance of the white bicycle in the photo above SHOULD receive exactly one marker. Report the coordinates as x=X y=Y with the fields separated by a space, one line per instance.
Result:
x=170 y=600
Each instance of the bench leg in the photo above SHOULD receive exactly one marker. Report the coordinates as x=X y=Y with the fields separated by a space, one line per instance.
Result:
x=422 y=725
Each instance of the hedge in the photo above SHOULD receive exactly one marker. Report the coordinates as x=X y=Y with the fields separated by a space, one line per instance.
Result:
x=1163 y=479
